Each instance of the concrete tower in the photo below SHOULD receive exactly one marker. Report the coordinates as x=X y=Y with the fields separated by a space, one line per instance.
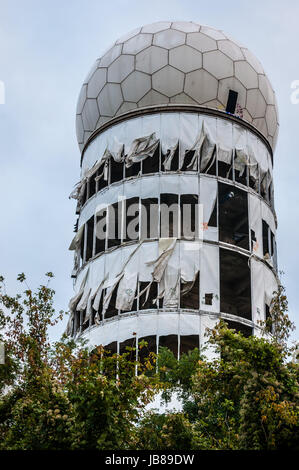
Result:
x=176 y=124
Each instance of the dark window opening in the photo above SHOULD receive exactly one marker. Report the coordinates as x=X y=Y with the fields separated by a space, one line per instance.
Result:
x=114 y=224
x=213 y=218
x=169 y=216
x=131 y=226
x=225 y=170
x=144 y=351
x=240 y=328
x=209 y=299
x=189 y=216
x=129 y=343
x=111 y=310
x=174 y=166
x=211 y=166
x=101 y=231
x=85 y=324
x=116 y=171
x=152 y=164
x=92 y=186
x=149 y=218
x=233 y=216
x=82 y=244
x=101 y=182
x=235 y=288
x=89 y=239
x=148 y=299
x=266 y=248
x=111 y=348
x=189 y=155
x=170 y=342
x=253 y=240
x=133 y=170
x=253 y=182
x=188 y=343
x=189 y=294
x=231 y=102
x=241 y=175
x=100 y=309
x=84 y=196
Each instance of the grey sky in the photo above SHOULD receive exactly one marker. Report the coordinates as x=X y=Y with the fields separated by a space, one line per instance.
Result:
x=46 y=50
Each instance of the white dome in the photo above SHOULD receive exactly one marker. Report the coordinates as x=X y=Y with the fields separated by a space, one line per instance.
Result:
x=175 y=63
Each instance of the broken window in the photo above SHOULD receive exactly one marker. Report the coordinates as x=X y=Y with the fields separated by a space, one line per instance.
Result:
x=148 y=294
x=114 y=224
x=225 y=170
x=111 y=310
x=235 y=285
x=133 y=170
x=188 y=343
x=149 y=218
x=152 y=164
x=169 y=215
x=101 y=230
x=211 y=166
x=231 y=102
x=170 y=342
x=241 y=168
x=189 y=216
x=171 y=159
x=100 y=178
x=131 y=226
x=253 y=240
x=116 y=171
x=209 y=299
x=240 y=328
x=266 y=248
x=89 y=238
x=92 y=186
x=269 y=244
x=189 y=294
x=129 y=343
x=111 y=348
x=189 y=164
x=233 y=215
x=145 y=349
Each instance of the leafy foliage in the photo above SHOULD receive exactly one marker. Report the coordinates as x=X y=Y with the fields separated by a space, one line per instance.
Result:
x=63 y=396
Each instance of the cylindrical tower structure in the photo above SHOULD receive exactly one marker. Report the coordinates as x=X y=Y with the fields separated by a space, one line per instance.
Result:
x=177 y=124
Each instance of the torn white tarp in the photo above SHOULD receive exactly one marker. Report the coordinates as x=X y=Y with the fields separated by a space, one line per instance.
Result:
x=270 y=285
x=169 y=156
x=75 y=243
x=73 y=303
x=166 y=247
x=109 y=293
x=241 y=159
x=142 y=148
x=169 y=285
x=207 y=197
x=126 y=291
x=208 y=147
x=255 y=222
x=84 y=299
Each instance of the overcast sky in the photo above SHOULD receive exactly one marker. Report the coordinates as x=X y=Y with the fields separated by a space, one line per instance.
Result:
x=46 y=50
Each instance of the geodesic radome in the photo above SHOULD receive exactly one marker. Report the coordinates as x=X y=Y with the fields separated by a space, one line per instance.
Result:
x=175 y=63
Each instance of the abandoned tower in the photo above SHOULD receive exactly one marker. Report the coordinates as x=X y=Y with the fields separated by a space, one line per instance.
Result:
x=177 y=124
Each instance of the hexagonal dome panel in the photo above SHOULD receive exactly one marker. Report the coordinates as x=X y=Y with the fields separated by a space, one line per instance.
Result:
x=167 y=63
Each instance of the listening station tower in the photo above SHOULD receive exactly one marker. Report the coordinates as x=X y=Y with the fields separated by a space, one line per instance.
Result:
x=177 y=124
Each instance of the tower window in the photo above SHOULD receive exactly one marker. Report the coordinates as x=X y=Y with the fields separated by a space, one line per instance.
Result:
x=235 y=286
x=231 y=102
x=233 y=216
